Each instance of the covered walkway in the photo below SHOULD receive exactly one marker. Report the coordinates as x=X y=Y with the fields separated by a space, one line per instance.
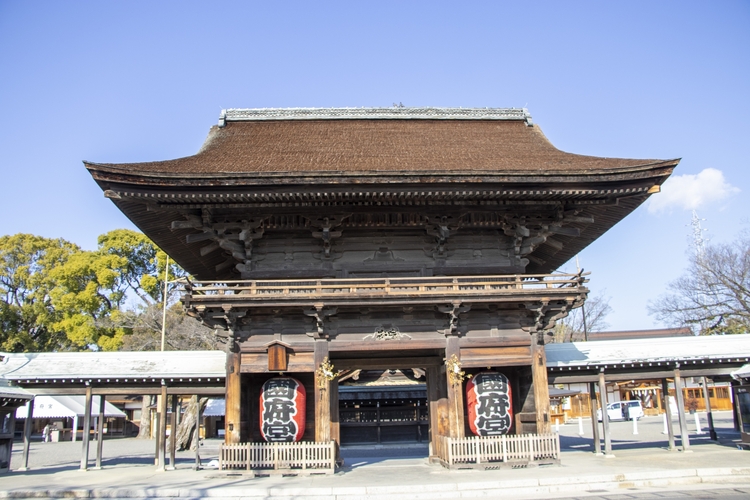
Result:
x=89 y=374
x=598 y=362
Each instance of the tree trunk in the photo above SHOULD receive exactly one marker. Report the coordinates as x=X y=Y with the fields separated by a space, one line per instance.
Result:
x=186 y=429
x=144 y=430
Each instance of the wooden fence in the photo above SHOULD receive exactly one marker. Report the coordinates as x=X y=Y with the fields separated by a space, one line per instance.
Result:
x=490 y=452
x=299 y=457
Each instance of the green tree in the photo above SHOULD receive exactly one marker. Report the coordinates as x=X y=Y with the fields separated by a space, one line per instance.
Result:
x=27 y=316
x=92 y=289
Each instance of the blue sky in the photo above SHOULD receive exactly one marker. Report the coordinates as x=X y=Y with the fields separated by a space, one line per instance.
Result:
x=143 y=81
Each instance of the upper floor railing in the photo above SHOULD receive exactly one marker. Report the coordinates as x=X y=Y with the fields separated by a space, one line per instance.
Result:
x=386 y=287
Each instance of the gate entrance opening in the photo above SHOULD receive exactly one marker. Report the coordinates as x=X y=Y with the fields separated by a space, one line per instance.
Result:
x=383 y=407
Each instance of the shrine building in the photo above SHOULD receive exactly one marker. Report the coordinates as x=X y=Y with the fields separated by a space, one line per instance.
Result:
x=326 y=241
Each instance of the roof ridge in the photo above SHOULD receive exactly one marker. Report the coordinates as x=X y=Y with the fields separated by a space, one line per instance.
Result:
x=374 y=113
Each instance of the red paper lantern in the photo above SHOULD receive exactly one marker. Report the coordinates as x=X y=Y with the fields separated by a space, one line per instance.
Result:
x=282 y=410
x=488 y=398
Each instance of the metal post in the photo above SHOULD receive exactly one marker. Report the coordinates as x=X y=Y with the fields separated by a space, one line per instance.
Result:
x=684 y=438
x=100 y=432
x=594 y=423
x=709 y=416
x=86 y=429
x=27 y=436
x=605 y=416
x=668 y=412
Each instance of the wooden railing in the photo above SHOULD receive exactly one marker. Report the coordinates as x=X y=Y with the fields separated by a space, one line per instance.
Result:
x=386 y=287
x=302 y=456
x=486 y=452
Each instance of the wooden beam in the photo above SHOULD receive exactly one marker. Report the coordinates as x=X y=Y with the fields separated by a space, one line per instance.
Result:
x=127 y=390
x=386 y=363
x=574 y=377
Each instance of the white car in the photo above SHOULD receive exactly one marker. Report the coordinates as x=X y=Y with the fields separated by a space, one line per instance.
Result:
x=622 y=410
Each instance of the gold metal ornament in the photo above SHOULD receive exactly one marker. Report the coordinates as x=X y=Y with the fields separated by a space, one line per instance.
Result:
x=455 y=374
x=325 y=373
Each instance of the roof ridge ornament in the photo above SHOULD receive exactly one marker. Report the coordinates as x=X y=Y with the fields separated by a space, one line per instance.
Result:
x=378 y=113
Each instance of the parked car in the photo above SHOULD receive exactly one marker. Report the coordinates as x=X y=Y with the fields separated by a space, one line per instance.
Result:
x=622 y=410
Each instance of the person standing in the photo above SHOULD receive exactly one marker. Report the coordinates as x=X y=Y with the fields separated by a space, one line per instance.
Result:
x=46 y=432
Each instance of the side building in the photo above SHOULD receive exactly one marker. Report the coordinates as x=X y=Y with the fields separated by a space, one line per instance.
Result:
x=326 y=241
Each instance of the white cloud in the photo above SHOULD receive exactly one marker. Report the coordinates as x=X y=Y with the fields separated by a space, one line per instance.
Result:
x=690 y=192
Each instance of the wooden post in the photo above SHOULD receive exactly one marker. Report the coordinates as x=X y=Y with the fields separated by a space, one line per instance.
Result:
x=594 y=423
x=709 y=415
x=322 y=395
x=684 y=438
x=605 y=416
x=334 y=415
x=173 y=434
x=455 y=394
x=541 y=388
x=197 y=437
x=232 y=434
x=86 y=429
x=100 y=432
x=435 y=390
x=27 y=436
x=667 y=412
x=163 y=427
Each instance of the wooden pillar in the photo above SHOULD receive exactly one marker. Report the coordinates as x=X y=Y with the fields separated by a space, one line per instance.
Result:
x=594 y=423
x=27 y=426
x=322 y=395
x=100 y=432
x=86 y=429
x=541 y=388
x=709 y=416
x=436 y=391
x=736 y=413
x=233 y=415
x=684 y=438
x=173 y=433
x=197 y=437
x=605 y=417
x=334 y=412
x=163 y=427
x=455 y=394
x=667 y=412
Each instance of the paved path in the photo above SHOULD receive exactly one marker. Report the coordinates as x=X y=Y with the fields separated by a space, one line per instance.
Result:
x=642 y=465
